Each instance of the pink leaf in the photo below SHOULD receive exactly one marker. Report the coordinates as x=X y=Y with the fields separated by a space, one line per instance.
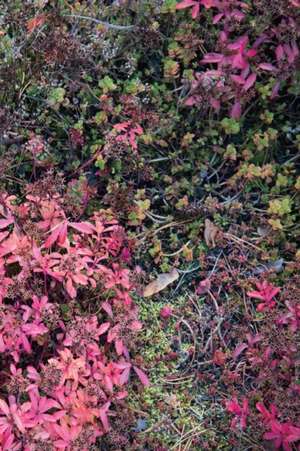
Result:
x=119 y=346
x=52 y=238
x=103 y=416
x=212 y=58
x=63 y=233
x=107 y=308
x=122 y=126
x=34 y=329
x=215 y=103
x=5 y=222
x=124 y=376
x=236 y=111
x=238 y=79
x=70 y=288
x=279 y=52
x=103 y=328
x=80 y=279
x=191 y=101
x=83 y=227
x=113 y=333
x=275 y=90
x=203 y=287
x=251 y=53
x=268 y=67
x=249 y=82
x=185 y=4
x=7 y=247
x=4 y=407
x=142 y=376
x=217 y=18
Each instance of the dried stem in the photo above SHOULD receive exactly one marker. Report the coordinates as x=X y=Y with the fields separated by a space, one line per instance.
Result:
x=108 y=25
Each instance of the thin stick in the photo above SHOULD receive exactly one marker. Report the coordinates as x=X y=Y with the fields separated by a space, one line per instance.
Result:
x=178 y=381
x=111 y=26
x=240 y=240
x=191 y=433
x=178 y=251
x=165 y=226
x=157 y=160
x=214 y=301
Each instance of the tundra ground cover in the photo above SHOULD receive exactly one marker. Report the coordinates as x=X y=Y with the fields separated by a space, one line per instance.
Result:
x=149 y=142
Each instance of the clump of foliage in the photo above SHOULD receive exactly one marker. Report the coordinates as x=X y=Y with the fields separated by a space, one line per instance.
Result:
x=67 y=322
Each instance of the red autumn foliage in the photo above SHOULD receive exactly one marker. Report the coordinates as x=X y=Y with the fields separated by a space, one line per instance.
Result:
x=67 y=370
x=242 y=61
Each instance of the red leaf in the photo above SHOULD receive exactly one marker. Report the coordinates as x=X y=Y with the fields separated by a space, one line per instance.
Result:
x=249 y=82
x=103 y=416
x=186 y=4
x=212 y=58
x=83 y=227
x=63 y=233
x=217 y=18
x=103 y=328
x=35 y=22
x=279 y=51
x=70 y=288
x=107 y=308
x=7 y=247
x=122 y=126
x=119 y=346
x=268 y=67
x=142 y=376
x=5 y=223
x=52 y=238
x=236 y=111
x=238 y=79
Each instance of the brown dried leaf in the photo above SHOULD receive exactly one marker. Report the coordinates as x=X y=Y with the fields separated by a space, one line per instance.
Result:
x=210 y=233
x=159 y=284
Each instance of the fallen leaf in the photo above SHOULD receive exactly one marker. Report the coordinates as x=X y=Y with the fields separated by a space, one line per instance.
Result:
x=159 y=284
x=210 y=233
